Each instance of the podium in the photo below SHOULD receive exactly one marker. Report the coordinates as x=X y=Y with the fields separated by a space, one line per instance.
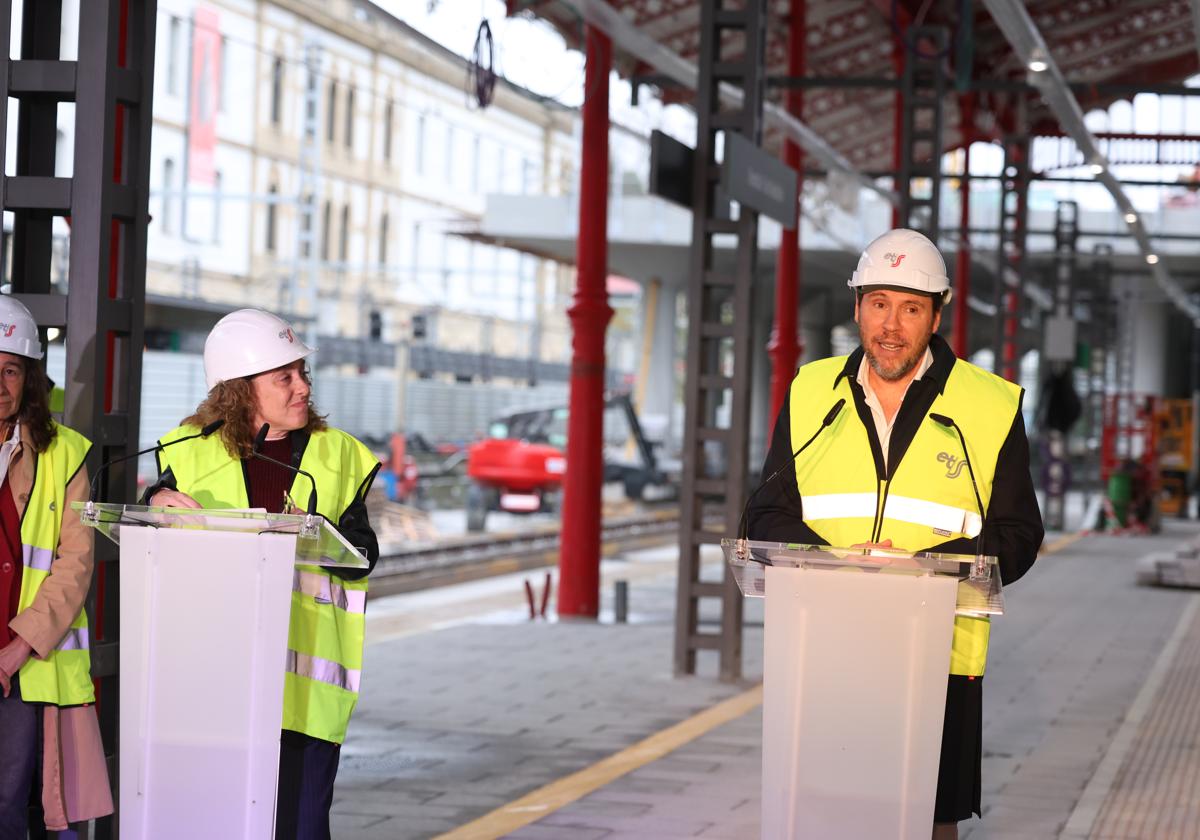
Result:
x=205 y=597
x=855 y=662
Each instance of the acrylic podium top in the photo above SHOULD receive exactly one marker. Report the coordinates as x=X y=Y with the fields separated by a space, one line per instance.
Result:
x=318 y=543
x=979 y=588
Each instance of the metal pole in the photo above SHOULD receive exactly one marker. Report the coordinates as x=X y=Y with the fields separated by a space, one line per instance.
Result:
x=962 y=267
x=784 y=346
x=579 y=550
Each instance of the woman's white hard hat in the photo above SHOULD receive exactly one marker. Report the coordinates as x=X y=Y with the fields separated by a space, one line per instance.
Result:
x=247 y=342
x=903 y=259
x=18 y=330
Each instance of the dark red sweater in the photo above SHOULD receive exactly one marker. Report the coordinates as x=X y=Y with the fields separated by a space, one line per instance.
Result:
x=269 y=482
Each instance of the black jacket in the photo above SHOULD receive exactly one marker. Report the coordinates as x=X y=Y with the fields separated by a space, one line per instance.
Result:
x=1012 y=527
x=353 y=524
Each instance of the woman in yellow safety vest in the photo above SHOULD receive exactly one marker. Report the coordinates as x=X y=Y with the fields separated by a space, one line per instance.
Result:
x=254 y=365
x=45 y=572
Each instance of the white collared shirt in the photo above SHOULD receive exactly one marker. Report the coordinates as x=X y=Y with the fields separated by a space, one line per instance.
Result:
x=883 y=424
x=8 y=448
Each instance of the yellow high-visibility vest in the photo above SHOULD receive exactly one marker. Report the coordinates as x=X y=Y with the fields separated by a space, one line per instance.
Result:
x=328 y=617
x=929 y=499
x=64 y=676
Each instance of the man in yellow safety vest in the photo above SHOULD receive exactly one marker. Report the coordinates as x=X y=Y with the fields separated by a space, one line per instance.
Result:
x=889 y=472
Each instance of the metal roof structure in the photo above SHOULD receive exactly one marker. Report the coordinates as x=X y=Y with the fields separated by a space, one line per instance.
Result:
x=1106 y=50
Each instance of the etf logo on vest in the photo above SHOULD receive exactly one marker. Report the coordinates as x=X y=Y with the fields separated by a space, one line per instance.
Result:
x=954 y=466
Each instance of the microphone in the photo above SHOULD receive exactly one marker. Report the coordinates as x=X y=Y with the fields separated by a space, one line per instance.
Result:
x=90 y=509
x=949 y=423
x=254 y=451
x=826 y=423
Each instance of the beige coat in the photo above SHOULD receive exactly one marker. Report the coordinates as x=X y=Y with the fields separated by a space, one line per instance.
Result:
x=74 y=773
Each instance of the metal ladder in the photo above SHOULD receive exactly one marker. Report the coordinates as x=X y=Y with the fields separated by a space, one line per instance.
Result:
x=1010 y=270
x=924 y=89
x=719 y=351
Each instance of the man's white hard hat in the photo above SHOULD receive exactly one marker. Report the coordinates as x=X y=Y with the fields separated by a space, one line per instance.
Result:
x=18 y=330
x=903 y=259
x=247 y=342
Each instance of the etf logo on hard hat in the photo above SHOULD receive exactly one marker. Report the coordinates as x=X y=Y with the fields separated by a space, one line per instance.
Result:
x=894 y=259
x=8 y=329
x=288 y=335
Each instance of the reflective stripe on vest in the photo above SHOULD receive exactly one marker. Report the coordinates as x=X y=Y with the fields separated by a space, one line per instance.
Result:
x=325 y=590
x=323 y=670
x=77 y=638
x=63 y=678
x=37 y=558
x=928 y=500
x=328 y=617
x=901 y=508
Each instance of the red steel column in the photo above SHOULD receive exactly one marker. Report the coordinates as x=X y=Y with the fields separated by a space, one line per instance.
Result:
x=579 y=548
x=785 y=346
x=962 y=268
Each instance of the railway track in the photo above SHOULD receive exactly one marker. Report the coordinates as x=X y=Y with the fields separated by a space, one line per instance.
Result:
x=486 y=555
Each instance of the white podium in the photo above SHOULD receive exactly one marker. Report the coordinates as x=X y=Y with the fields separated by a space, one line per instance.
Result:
x=205 y=598
x=856 y=657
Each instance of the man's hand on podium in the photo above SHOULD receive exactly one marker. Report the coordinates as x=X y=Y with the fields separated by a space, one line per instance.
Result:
x=886 y=554
x=173 y=498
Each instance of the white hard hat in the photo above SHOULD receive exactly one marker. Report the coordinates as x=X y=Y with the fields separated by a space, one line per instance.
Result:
x=903 y=259
x=18 y=330
x=247 y=342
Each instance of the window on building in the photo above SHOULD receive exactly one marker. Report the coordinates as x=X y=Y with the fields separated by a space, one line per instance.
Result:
x=277 y=91
x=326 y=224
x=216 y=219
x=348 y=137
x=344 y=241
x=383 y=239
x=388 y=117
x=168 y=186
x=222 y=57
x=174 y=29
x=420 y=150
x=331 y=113
x=307 y=211
x=526 y=176
x=272 y=213
x=450 y=156
x=475 y=152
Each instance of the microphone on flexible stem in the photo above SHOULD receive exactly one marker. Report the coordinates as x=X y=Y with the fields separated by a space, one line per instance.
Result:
x=89 y=510
x=310 y=528
x=742 y=550
x=949 y=423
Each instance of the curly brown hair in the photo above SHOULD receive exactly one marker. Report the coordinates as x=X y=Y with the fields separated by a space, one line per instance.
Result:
x=233 y=401
x=35 y=406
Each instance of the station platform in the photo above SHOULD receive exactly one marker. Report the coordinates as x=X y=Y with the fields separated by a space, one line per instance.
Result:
x=476 y=722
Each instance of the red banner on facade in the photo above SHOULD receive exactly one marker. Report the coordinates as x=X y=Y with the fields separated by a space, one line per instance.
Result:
x=203 y=96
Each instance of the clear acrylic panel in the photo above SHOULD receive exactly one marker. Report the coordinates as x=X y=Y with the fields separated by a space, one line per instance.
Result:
x=318 y=543
x=979 y=589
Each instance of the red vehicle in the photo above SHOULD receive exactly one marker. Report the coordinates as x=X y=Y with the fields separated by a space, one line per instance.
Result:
x=520 y=467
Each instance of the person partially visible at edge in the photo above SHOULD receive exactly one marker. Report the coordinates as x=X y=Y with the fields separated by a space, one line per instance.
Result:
x=254 y=365
x=45 y=572
x=885 y=444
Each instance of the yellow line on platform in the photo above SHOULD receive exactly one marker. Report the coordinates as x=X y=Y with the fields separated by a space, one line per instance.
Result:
x=1062 y=542
x=549 y=798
